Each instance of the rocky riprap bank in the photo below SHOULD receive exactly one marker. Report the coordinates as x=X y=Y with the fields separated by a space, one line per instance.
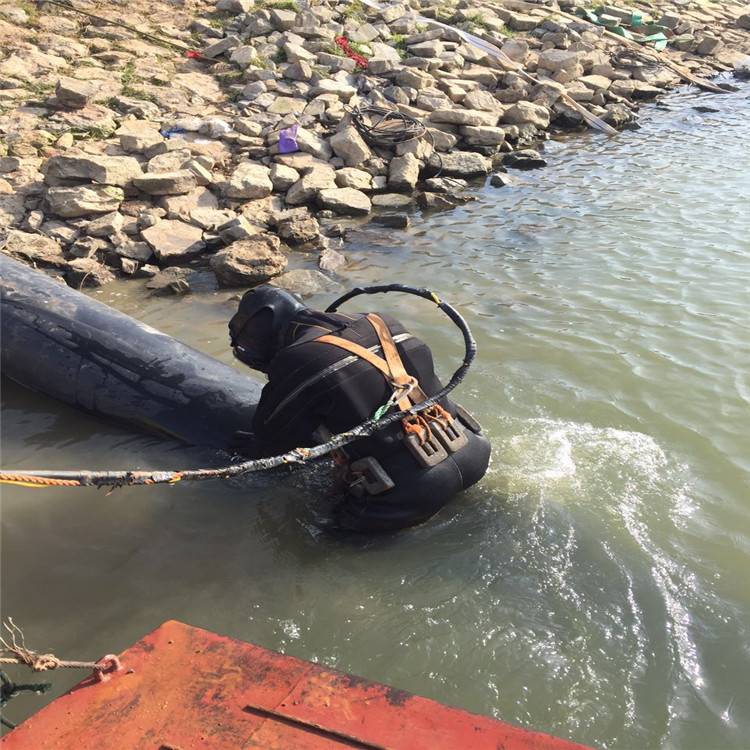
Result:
x=121 y=156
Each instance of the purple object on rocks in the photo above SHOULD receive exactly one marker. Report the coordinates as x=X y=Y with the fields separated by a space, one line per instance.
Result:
x=288 y=140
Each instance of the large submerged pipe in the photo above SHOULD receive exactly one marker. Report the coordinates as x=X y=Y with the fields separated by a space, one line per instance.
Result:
x=84 y=353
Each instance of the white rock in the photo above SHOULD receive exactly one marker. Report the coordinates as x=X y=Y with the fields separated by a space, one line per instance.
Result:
x=283 y=177
x=249 y=180
x=345 y=201
x=174 y=241
x=403 y=173
x=349 y=145
x=464 y=117
x=354 y=178
x=526 y=112
x=70 y=202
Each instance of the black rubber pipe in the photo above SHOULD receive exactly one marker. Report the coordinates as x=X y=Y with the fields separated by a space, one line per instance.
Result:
x=84 y=353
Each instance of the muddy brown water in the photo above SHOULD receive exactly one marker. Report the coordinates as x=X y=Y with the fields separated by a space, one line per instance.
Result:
x=594 y=585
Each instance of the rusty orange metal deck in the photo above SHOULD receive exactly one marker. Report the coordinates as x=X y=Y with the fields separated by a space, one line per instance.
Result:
x=183 y=688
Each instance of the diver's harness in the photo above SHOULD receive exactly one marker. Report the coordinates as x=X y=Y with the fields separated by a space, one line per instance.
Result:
x=430 y=435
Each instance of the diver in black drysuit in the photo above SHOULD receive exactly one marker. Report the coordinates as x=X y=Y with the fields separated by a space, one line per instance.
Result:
x=316 y=389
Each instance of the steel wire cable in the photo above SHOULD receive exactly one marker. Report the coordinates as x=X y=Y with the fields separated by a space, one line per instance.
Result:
x=380 y=126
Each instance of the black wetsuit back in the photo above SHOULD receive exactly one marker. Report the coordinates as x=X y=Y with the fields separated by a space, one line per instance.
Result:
x=313 y=383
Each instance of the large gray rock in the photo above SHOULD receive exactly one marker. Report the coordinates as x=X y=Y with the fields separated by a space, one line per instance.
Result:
x=618 y=115
x=138 y=142
x=299 y=71
x=516 y=49
x=283 y=20
x=223 y=45
x=104 y=226
x=298 y=229
x=174 y=242
x=168 y=161
x=282 y=178
x=522 y=21
x=556 y=60
x=141 y=251
x=12 y=209
x=482 y=136
x=249 y=181
x=87 y=272
x=166 y=183
x=431 y=48
x=346 y=201
x=209 y=218
x=414 y=79
x=349 y=145
x=106 y=170
x=170 y=281
x=234 y=6
x=331 y=86
x=312 y=143
x=9 y=164
x=309 y=186
x=70 y=92
x=525 y=159
x=379 y=66
x=441 y=201
x=70 y=202
x=391 y=13
x=709 y=45
x=237 y=228
x=259 y=23
x=526 y=112
x=445 y=184
x=60 y=231
x=353 y=178
x=331 y=260
x=403 y=173
x=35 y=248
x=473 y=117
x=482 y=100
x=364 y=33
x=182 y=206
x=285 y=105
x=391 y=200
x=249 y=262
x=88 y=247
x=459 y=164
x=297 y=53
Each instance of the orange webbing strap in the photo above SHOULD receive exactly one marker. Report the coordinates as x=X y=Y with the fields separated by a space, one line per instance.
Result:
x=392 y=357
x=398 y=371
x=374 y=360
x=360 y=351
x=392 y=367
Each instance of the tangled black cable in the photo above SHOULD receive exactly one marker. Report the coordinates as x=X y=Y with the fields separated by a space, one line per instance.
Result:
x=385 y=127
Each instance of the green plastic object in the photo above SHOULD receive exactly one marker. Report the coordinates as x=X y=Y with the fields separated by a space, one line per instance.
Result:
x=587 y=15
x=653 y=38
x=620 y=31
